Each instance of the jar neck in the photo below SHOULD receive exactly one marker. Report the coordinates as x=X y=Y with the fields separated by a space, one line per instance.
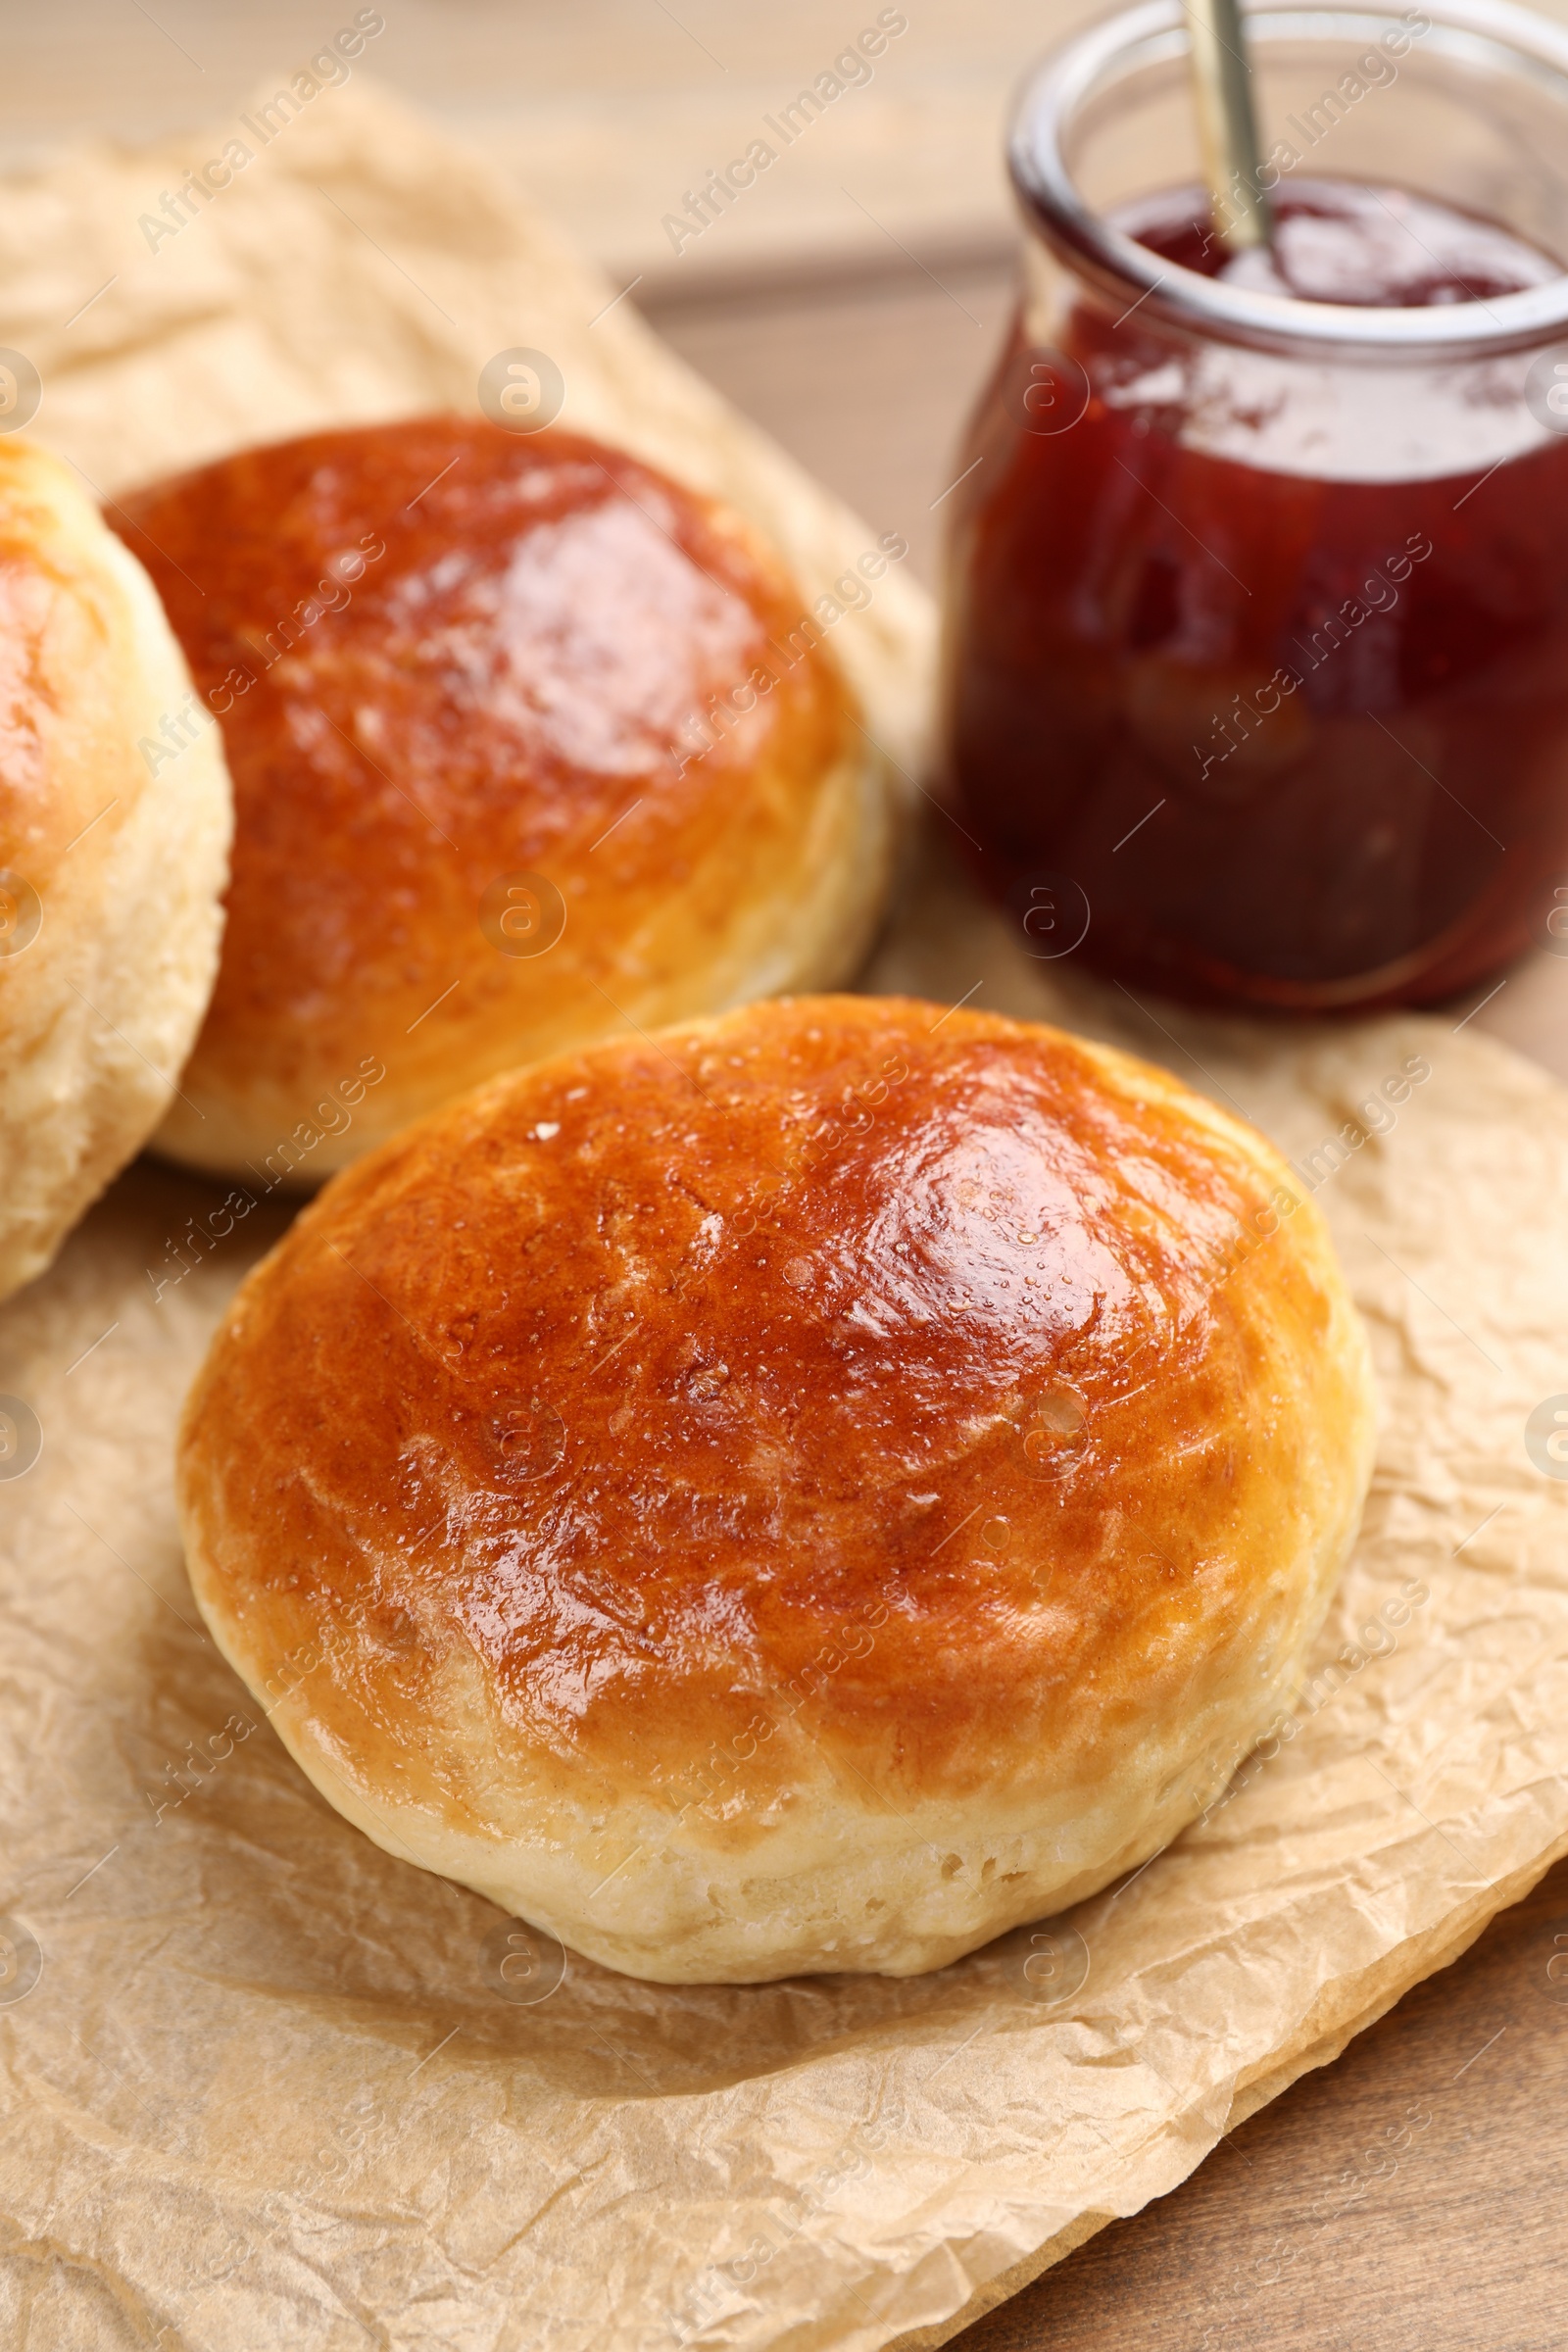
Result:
x=1146 y=40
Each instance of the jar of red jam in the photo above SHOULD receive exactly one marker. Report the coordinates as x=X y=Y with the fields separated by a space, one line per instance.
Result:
x=1256 y=640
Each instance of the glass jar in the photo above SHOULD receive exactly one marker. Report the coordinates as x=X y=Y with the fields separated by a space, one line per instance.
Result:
x=1255 y=671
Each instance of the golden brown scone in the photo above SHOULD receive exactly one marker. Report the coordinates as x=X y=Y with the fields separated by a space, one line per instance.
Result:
x=806 y=1492
x=113 y=842
x=467 y=680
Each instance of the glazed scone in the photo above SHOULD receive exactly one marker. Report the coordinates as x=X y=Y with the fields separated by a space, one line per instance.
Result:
x=113 y=845
x=528 y=743
x=804 y=1492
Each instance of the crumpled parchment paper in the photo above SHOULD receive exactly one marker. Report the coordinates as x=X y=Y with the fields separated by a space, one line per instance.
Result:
x=263 y=2085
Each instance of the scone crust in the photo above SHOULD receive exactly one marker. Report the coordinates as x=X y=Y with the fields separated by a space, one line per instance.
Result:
x=449 y=661
x=115 y=824
x=806 y=1491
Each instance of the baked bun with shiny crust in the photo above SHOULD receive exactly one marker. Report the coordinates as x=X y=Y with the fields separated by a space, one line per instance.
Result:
x=528 y=743
x=806 y=1492
x=114 y=823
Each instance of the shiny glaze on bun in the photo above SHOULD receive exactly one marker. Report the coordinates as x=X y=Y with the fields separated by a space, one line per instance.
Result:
x=872 y=1462
x=466 y=679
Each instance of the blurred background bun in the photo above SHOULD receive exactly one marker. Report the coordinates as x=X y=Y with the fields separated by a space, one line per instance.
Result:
x=115 y=824
x=528 y=743
x=808 y=1490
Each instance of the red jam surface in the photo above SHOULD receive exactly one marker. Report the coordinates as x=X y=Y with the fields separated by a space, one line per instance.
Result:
x=1258 y=667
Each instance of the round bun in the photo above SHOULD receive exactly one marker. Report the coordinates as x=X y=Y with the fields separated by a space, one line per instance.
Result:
x=528 y=743
x=115 y=824
x=806 y=1492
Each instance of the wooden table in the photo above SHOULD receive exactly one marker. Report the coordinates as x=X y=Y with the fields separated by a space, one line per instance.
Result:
x=856 y=320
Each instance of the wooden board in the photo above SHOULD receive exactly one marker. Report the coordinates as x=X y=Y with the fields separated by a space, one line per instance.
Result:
x=1311 y=2229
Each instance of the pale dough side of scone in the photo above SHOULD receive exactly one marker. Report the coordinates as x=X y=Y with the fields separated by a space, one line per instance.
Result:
x=807 y=924
x=807 y=1782
x=127 y=851
x=845 y=1882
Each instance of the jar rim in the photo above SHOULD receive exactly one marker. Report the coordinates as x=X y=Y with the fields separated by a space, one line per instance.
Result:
x=1491 y=33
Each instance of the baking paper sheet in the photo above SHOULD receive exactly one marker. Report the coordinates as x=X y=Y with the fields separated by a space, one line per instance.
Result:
x=261 y=2085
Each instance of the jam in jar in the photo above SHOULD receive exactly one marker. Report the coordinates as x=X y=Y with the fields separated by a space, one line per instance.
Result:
x=1256 y=642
